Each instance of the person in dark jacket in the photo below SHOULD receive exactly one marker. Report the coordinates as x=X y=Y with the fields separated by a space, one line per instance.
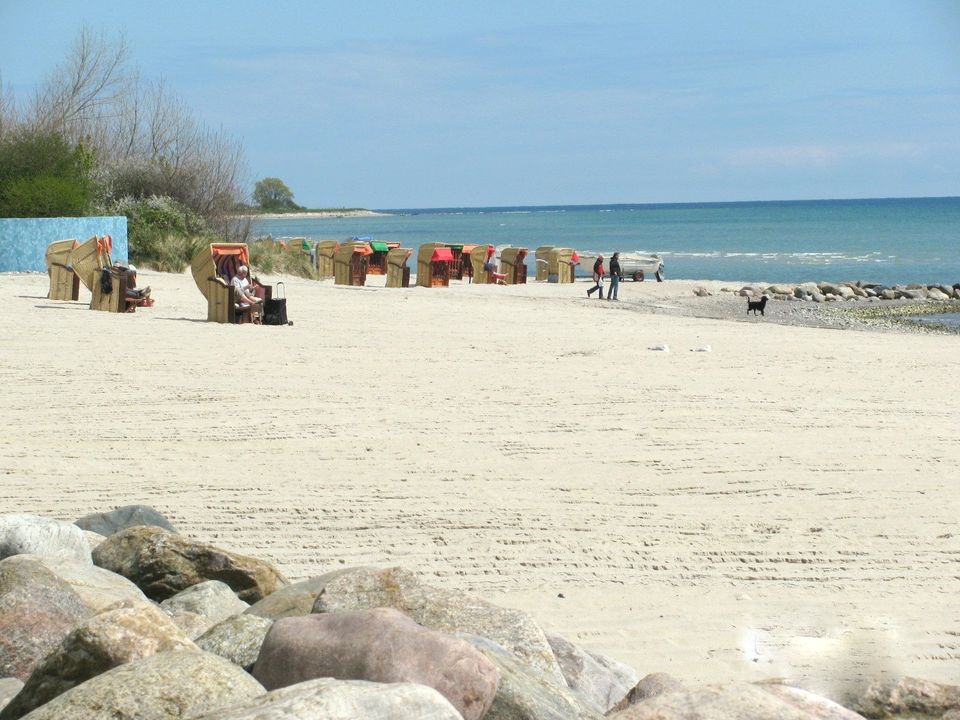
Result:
x=597 y=277
x=616 y=275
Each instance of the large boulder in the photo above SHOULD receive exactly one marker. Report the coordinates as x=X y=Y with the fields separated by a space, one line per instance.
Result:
x=908 y=698
x=238 y=639
x=191 y=624
x=22 y=534
x=736 y=701
x=781 y=289
x=440 y=609
x=817 y=707
x=380 y=645
x=37 y=610
x=525 y=693
x=329 y=699
x=96 y=587
x=162 y=564
x=128 y=516
x=600 y=686
x=212 y=599
x=166 y=686
x=112 y=638
x=295 y=599
x=8 y=688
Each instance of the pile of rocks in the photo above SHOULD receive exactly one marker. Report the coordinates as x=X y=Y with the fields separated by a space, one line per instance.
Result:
x=134 y=620
x=827 y=292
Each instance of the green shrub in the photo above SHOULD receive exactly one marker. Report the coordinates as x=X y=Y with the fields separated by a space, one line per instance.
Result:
x=43 y=175
x=162 y=233
x=271 y=258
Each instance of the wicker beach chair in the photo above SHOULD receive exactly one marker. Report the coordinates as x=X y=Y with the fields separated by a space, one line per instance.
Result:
x=481 y=258
x=398 y=273
x=325 y=252
x=542 y=259
x=64 y=282
x=350 y=263
x=434 y=264
x=377 y=261
x=562 y=267
x=89 y=258
x=512 y=265
x=213 y=268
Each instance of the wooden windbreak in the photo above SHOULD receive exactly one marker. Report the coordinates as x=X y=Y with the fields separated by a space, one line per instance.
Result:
x=398 y=273
x=64 y=282
x=513 y=265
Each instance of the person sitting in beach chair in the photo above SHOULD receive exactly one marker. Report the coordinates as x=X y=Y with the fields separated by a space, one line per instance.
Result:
x=246 y=295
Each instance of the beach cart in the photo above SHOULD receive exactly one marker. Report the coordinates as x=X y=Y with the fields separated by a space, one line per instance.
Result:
x=513 y=265
x=350 y=263
x=542 y=259
x=377 y=262
x=562 y=265
x=64 y=282
x=434 y=263
x=214 y=268
x=398 y=273
x=325 y=251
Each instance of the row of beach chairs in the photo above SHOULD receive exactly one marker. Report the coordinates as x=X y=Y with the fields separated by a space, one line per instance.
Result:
x=112 y=287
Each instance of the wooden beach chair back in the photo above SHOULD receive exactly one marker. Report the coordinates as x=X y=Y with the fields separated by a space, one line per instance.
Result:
x=434 y=264
x=542 y=260
x=398 y=272
x=480 y=256
x=214 y=268
x=562 y=265
x=513 y=265
x=109 y=292
x=64 y=282
x=89 y=258
x=325 y=252
x=350 y=263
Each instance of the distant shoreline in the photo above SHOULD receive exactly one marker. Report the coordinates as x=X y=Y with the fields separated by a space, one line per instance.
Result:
x=317 y=214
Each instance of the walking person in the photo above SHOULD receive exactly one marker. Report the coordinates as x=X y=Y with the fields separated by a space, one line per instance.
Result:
x=616 y=275
x=597 y=277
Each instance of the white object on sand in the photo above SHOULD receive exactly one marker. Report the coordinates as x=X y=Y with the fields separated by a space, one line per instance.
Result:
x=660 y=348
x=702 y=348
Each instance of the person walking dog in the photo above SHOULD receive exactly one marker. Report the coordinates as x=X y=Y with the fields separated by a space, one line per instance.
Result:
x=597 y=277
x=616 y=275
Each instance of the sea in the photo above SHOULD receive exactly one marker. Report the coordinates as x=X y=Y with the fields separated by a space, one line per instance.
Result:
x=888 y=241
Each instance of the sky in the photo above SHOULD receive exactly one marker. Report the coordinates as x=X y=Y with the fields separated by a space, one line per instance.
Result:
x=446 y=103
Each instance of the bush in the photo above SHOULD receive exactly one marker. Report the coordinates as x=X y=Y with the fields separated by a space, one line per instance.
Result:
x=270 y=257
x=162 y=233
x=43 y=175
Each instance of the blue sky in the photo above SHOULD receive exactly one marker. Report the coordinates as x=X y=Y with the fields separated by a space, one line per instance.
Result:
x=436 y=104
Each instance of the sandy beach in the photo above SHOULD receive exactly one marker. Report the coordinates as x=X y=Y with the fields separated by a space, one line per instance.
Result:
x=781 y=506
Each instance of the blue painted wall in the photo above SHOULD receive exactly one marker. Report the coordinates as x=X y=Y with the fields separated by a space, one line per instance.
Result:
x=23 y=241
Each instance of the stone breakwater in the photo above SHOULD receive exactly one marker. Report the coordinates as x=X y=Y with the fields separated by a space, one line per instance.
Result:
x=133 y=620
x=856 y=291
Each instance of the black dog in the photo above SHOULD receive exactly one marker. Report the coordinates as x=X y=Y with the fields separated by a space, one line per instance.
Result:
x=756 y=305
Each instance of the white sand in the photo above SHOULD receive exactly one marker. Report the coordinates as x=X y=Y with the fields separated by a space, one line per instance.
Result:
x=785 y=505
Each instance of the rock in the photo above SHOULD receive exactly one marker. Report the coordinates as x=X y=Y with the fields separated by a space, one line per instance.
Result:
x=8 y=688
x=379 y=645
x=908 y=698
x=701 y=292
x=329 y=699
x=108 y=523
x=238 y=639
x=888 y=294
x=919 y=293
x=166 y=686
x=870 y=293
x=781 y=289
x=956 y=293
x=162 y=564
x=728 y=702
x=440 y=609
x=650 y=686
x=526 y=693
x=212 y=599
x=37 y=610
x=191 y=624
x=22 y=534
x=828 y=288
x=937 y=294
x=801 y=293
x=96 y=587
x=749 y=291
x=93 y=539
x=945 y=289
x=295 y=599
x=859 y=291
x=623 y=674
x=598 y=685
x=845 y=291
x=105 y=641
x=815 y=706
x=817 y=297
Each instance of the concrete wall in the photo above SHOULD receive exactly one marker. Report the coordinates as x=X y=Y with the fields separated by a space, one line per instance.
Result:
x=23 y=241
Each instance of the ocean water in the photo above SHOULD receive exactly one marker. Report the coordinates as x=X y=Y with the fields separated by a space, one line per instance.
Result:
x=887 y=241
